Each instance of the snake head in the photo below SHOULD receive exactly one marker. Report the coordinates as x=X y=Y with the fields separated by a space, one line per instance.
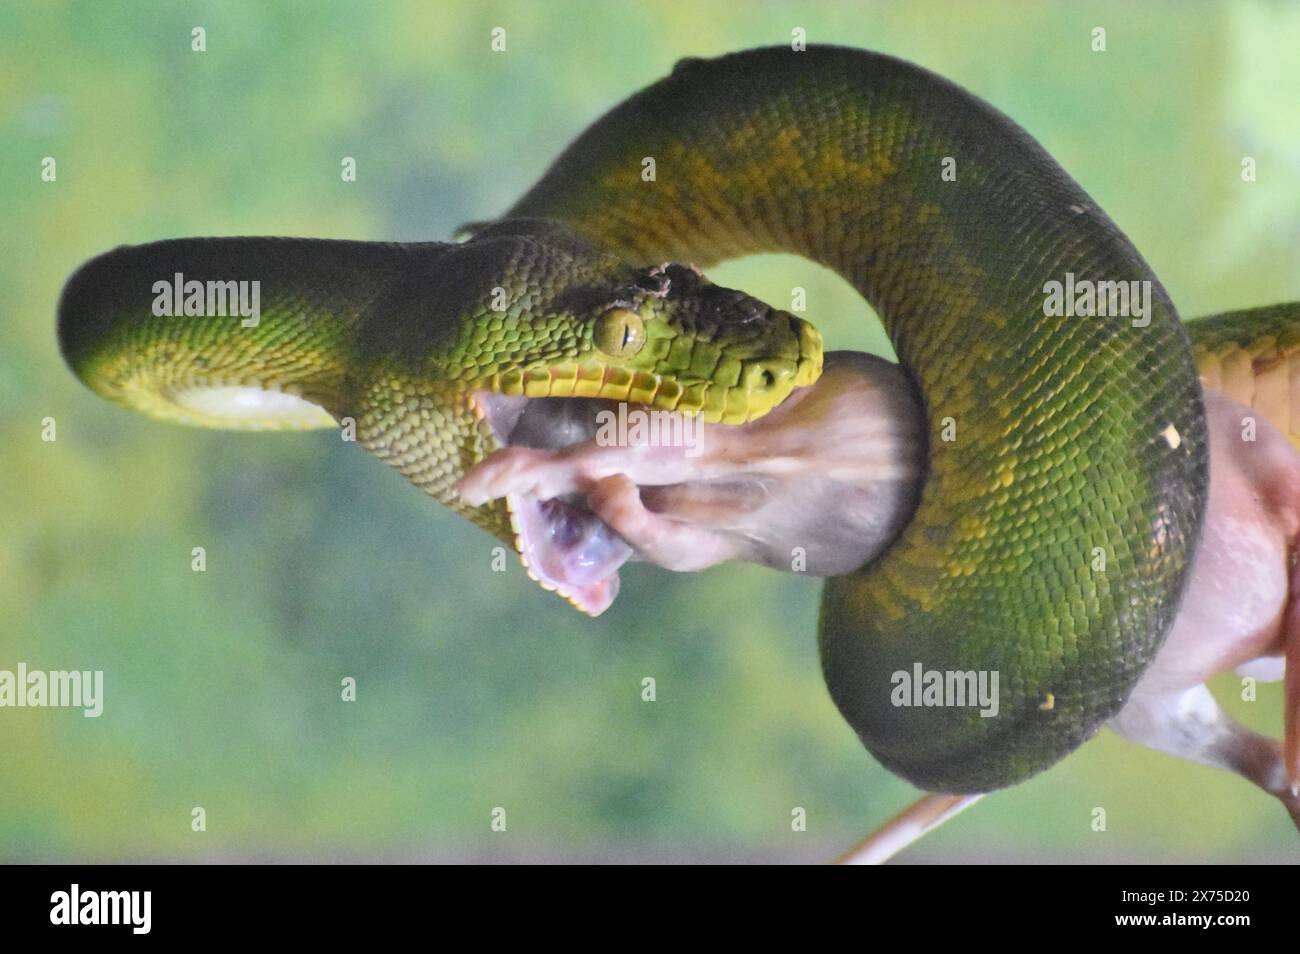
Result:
x=542 y=313
x=685 y=344
x=547 y=332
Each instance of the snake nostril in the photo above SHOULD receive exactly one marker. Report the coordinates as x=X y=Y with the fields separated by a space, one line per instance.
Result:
x=751 y=310
x=656 y=282
x=767 y=378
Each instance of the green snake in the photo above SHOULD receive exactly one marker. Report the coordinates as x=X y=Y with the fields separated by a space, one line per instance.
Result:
x=1074 y=436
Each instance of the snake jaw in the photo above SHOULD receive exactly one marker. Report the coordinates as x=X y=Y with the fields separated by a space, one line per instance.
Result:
x=562 y=546
x=541 y=528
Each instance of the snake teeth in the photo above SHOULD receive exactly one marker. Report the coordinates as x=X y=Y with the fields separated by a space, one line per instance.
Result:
x=563 y=547
x=568 y=551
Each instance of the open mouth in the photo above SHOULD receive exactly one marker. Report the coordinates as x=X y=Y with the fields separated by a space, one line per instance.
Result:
x=564 y=546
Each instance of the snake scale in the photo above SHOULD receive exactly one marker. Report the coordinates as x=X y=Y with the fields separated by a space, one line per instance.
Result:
x=1073 y=436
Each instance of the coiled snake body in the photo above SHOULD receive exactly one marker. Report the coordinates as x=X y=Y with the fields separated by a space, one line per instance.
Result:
x=1052 y=537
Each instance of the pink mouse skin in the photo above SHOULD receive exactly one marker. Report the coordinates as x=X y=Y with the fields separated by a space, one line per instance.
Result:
x=832 y=474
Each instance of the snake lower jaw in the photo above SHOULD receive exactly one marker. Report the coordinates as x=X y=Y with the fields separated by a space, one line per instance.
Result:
x=563 y=546
x=569 y=550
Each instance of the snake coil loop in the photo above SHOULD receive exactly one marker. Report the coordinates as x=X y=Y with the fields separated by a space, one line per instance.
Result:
x=1072 y=433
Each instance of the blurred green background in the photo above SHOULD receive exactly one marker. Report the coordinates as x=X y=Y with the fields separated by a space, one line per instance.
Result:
x=476 y=689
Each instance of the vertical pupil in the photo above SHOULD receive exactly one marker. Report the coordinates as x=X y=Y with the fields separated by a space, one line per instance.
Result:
x=619 y=333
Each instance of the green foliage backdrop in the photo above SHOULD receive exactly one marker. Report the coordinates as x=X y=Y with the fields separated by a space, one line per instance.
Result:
x=476 y=689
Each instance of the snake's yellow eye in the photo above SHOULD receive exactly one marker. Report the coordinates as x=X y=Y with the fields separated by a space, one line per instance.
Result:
x=619 y=333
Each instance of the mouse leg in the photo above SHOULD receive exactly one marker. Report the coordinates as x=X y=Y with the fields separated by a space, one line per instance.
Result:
x=616 y=500
x=1291 y=683
x=1191 y=725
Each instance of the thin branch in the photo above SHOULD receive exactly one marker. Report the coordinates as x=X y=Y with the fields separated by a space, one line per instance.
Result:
x=906 y=828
